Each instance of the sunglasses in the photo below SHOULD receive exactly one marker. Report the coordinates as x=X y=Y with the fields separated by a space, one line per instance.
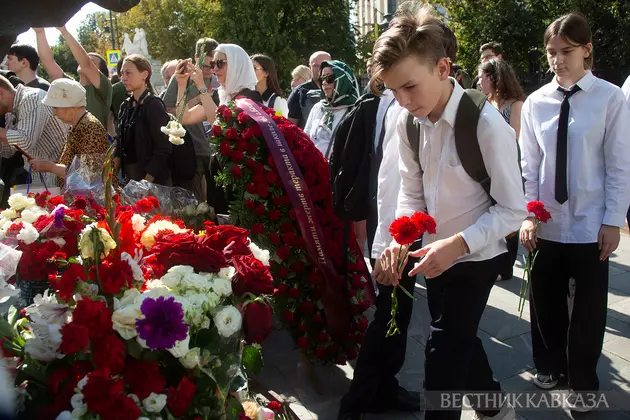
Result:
x=217 y=63
x=330 y=78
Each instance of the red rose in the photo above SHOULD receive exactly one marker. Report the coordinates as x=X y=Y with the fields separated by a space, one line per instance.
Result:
x=237 y=156
x=288 y=316
x=283 y=272
x=251 y=276
x=294 y=293
x=95 y=316
x=303 y=343
x=292 y=214
x=303 y=327
x=231 y=133
x=241 y=145
x=217 y=130
x=351 y=353
x=320 y=353
x=143 y=378
x=274 y=215
x=258 y=228
x=226 y=114
x=262 y=190
x=250 y=163
x=225 y=148
x=280 y=290
x=426 y=222
x=298 y=267
x=259 y=179
x=100 y=390
x=257 y=322
x=405 y=230
x=236 y=171
x=317 y=319
x=272 y=177
x=247 y=134
x=322 y=337
x=256 y=130
x=539 y=210
x=260 y=210
x=286 y=227
x=284 y=252
x=243 y=118
x=307 y=307
x=341 y=360
x=259 y=168
x=252 y=148
x=179 y=399
x=109 y=352
x=251 y=188
x=363 y=324
x=250 y=204
x=74 y=338
x=273 y=237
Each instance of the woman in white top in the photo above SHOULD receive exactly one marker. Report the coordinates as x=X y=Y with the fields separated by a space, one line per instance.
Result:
x=340 y=92
x=268 y=84
x=574 y=140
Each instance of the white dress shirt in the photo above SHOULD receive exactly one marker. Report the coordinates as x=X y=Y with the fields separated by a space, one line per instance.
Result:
x=317 y=129
x=457 y=202
x=626 y=89
x=598 y=158
x=388 y=173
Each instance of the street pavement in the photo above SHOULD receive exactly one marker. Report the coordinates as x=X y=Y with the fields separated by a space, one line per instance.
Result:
x=505 y=336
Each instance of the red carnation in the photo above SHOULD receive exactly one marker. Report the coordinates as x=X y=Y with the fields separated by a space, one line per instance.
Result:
x=275 y=406
x=225 y=148
x=179 y=399
x=144 y=378
x=303 y=343
x=237 y=156
x=236 y=171
x=284 y=252
x=95 y=316
x=217 y=130
x=257 y=322
x=147 y=205
x=426 y=222
x=226 y=114
x=122 y=408
x=231 y=133
x=257 y=228
x=80 y=203
x=539 y=210
x=64 y=285
x=115 y=275
x=405 y=230
x=100 y=390
x=41 y=198
x=74 y=338
x=109 y=352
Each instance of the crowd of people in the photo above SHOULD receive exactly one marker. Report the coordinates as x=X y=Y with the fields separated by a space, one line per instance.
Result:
x=564 y=145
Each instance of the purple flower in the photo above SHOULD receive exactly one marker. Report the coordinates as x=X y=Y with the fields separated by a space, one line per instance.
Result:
x=59 y=215
x=163 y=323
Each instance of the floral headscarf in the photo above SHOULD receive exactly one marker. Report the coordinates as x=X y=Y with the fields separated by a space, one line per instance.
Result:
x=346 y=90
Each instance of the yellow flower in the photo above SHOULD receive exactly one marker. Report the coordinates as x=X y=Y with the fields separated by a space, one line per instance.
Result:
x=251 y=409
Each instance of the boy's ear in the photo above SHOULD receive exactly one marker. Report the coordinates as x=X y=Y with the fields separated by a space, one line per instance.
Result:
x=443 y=68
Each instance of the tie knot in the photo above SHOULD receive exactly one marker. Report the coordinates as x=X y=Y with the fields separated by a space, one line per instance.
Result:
x=568 y=93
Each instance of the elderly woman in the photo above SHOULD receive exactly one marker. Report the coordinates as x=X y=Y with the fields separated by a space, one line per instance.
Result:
x=340 y=91
x=87 y=137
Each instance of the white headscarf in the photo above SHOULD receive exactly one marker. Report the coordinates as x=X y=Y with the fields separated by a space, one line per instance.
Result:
x=240 y=74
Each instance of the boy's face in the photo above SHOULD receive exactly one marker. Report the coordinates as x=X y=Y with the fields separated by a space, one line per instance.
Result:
x=416 y=84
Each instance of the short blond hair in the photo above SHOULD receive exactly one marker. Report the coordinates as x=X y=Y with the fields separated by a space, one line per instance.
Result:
x=302 y=71
x=414 y=31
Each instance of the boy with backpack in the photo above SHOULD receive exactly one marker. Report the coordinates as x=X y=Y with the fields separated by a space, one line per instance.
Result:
x=474 y=214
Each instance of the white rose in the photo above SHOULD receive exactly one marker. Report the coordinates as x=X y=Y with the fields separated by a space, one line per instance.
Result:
x=78 y=405
x=222 y=287
x=137 y=221
x=192 y=359
x=83 y=382
x=195 y=281
x=172 y=280
x=177 y=141
x=86 y=245
x=28 y=234
x=154 y=403
x=182 y=269
x=180 y=349
x=124 y=321
x=212 y=301
x=228 y=321
x=260 y=254
x=227 y=273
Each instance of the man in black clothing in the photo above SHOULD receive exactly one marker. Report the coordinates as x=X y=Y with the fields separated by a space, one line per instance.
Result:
x=23 y=60
x=306 y=95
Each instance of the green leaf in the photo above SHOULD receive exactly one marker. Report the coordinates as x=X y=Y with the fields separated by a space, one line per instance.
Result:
x=6 y=329
x=134 y=349
x=233 y=408
x=252 y=359
x=13 y=316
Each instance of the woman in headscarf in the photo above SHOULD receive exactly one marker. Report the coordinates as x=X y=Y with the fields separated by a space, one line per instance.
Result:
x=340 y=91
x=235 y=74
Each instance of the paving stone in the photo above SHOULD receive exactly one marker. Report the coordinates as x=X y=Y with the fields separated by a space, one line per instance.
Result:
x=501 y=317
x=620 y=282
x=505 y=360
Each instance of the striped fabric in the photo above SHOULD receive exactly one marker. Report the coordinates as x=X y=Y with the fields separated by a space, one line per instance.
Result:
x=34 y=128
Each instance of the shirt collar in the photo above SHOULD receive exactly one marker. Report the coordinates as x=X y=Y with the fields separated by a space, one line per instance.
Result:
x=450 y=111
x=585 y=83
x=19 y=92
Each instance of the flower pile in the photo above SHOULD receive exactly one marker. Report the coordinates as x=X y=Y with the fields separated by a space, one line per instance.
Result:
x=259 y=202
x=144 y=318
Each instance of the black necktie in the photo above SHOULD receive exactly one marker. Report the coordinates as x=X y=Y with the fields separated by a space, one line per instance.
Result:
x=562 y=193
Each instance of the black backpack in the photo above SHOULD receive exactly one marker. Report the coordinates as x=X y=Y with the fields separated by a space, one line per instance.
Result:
x=184 y=159
x=350 y=160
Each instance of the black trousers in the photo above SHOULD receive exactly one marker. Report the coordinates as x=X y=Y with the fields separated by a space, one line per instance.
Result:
x=562 y=344
x=374 y=383
x=455 y=360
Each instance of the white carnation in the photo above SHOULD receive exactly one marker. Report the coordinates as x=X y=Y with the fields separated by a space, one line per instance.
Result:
x=19 y=202
x=9 y=213
x=177 y=141
x=28 y=216
x=227 y=273
x=222 y=287
x=135 y=268
x=182 y=269
x=154 y=403
x=260 y=254
x=137 y=221
x=228 y=321
x=28 y=234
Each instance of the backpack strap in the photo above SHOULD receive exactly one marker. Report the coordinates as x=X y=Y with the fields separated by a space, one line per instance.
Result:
x=272 y=100
x=413 y=138
x=466 y=140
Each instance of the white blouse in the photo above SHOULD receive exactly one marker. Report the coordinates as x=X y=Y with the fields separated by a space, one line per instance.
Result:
x=317 y=130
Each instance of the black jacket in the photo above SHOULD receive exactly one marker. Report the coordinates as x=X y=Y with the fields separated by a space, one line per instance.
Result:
x=141 y=140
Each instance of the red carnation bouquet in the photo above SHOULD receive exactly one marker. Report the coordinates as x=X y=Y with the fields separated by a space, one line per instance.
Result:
x=541 y=215
x=406 y=230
